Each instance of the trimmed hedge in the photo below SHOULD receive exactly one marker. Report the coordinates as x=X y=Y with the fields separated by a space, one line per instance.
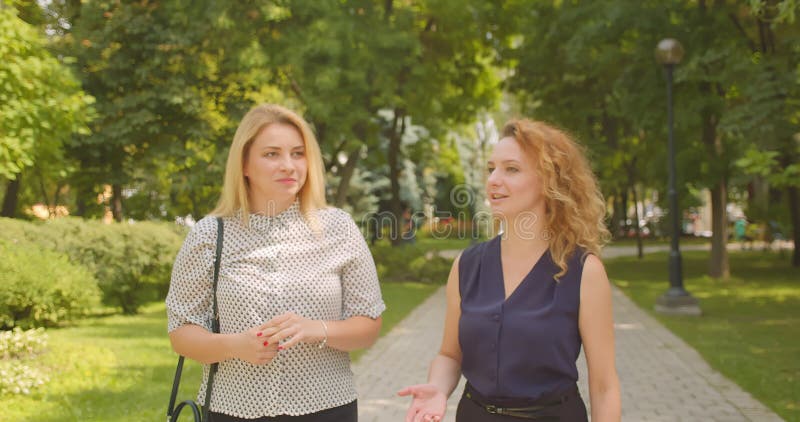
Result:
x=131 y=261
x=42 y=288
x=410 y=263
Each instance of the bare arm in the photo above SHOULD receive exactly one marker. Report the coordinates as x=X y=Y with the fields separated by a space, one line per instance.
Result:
x=596 y=326
x=353 y=333
x=195 y=342
x=259 y=345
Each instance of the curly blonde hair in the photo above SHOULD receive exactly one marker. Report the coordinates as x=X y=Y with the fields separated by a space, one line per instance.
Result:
x=575 y=209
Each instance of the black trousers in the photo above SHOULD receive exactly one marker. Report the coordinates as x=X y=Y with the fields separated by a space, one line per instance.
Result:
x=573 y=410
x=344 y=413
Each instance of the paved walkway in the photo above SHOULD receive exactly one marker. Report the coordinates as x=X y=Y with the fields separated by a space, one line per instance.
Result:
x=662 y=378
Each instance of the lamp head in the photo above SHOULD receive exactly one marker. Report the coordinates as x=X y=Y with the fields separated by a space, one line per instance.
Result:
x=669 y=52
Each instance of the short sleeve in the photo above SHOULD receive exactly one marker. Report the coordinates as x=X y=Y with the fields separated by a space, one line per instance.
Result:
x=361 y=291
x=190 y=288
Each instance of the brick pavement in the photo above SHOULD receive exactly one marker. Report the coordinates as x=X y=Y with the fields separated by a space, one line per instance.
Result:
x=662 y=378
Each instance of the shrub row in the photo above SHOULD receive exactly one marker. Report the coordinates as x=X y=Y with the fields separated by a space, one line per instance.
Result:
x=131 y=262
x=40 y=287
x=410 y=263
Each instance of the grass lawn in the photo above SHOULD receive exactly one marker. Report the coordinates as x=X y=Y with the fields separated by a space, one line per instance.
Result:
x=747 y=328
x=120 y=368
x=685 y=240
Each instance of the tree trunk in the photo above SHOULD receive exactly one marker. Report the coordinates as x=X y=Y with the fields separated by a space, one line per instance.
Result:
x=393 y=158
x=623 y=202
x=794 y=213
x=616 y=214
x=81 y=195
x=57 y=195
x=116 y=201
x=639 y=246
x=345 y=176
x=50 y=207
x=631 y=169
x=11 y=198
x=718 y=266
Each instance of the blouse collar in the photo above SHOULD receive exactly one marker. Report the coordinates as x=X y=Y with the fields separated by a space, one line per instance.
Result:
x=263 y=222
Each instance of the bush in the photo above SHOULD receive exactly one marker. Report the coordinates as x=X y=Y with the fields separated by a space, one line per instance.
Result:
x=434 y=269
x=16 y=347
x=410 y=263
x=39 y=287
x=131 y=261
x=18 y=378
x=17 y=343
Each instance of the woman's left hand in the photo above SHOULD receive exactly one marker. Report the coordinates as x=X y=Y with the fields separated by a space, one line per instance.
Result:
x=294 y=328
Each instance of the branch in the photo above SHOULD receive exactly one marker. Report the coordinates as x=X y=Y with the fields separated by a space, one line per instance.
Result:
x=739 y=26
x=294 y=86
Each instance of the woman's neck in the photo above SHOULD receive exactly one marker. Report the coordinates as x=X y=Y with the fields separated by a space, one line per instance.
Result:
x=526 y=235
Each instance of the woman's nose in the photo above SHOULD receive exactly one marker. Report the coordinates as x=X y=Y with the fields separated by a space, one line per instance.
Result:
x=286 y=164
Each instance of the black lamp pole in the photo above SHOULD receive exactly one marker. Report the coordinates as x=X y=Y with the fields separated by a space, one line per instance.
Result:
x=676 y=300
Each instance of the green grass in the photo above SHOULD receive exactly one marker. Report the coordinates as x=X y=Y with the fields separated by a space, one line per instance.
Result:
x=749 y=328
x=685 y=240
x=120 y=368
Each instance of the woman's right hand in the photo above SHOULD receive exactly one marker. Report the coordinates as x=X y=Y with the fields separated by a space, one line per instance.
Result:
x=252 y=346
x=428 y=405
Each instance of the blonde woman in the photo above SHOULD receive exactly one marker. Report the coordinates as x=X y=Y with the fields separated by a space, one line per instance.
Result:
x=521 y=305
x=297 y=285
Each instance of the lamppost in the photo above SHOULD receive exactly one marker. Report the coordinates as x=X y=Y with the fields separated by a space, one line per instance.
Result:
x=676 y=300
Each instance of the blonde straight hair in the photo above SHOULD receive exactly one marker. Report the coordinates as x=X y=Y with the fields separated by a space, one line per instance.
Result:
x=235 y=189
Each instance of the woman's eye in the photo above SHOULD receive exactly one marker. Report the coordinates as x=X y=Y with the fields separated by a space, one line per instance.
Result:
x=512 y=169
x=490 y=169
x=298 y=153
x=270 y=154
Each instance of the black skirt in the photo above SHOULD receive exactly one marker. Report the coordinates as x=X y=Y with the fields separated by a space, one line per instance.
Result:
x=345 y=413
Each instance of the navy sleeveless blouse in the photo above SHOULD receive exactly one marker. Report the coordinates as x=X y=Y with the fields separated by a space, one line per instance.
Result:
x=526 y=346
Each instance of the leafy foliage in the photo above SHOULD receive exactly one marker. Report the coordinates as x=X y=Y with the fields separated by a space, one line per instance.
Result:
x=131 y=262
x=41 y=102
x=42 y=288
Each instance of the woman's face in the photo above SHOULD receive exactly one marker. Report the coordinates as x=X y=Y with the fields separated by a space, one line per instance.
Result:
x=276 y=167
x=513 y=187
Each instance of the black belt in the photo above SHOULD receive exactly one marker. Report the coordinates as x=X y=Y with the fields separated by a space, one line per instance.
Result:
x=525 y=412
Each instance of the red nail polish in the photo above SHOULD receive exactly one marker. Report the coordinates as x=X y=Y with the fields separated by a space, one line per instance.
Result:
x=281 y=347
x=266 y=343
x=259 y=334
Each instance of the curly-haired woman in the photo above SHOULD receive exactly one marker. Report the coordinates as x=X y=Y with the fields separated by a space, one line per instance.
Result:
x=521 y=305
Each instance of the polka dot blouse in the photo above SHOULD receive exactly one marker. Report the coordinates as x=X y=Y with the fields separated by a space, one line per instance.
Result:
x=277 y=265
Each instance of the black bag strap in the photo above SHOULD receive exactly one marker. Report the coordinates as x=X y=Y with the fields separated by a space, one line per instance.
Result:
x=171 y=409
x=215 y=316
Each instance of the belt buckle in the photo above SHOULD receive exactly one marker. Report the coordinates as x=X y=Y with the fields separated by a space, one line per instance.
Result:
x=491 y=408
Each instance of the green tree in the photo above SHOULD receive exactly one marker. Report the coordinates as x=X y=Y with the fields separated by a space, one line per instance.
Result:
x=766 y=108
x=367 y=71
x=41 y=107
x=171 y=78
